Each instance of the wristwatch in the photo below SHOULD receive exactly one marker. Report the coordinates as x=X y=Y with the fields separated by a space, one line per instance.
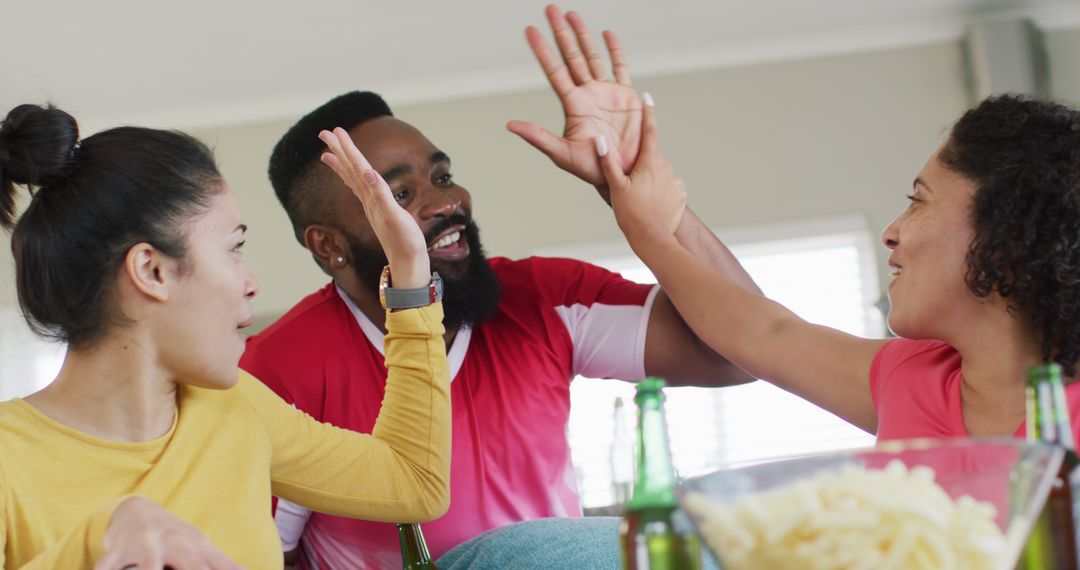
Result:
x=399 y=298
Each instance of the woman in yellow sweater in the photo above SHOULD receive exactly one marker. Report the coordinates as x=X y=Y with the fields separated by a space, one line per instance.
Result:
x=150 y=449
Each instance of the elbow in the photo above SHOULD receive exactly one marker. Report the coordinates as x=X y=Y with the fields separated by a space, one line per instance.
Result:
x=437 y=500
x=433 y=500
x=736 y=376
x=436 y=507
x=431 y=505
x=726 y=373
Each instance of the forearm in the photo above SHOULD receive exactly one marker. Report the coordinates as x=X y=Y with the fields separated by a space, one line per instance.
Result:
x=675 y=349
x=703 y=244
x=727 y=316
x=676 y=354
x=415 y=415
x=399 y=473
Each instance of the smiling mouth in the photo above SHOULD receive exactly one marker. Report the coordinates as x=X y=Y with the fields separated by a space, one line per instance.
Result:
x=451 y=245
x=446 y=241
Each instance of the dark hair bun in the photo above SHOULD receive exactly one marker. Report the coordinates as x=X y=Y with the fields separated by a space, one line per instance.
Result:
x=36 y=146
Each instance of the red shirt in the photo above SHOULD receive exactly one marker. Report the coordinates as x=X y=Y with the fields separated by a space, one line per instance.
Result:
x=510 y=395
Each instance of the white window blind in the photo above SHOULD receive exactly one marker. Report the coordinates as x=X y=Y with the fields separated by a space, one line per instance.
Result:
x=824 y=272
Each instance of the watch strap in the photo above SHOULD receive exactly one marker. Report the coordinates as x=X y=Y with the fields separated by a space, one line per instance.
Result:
x=401 y=298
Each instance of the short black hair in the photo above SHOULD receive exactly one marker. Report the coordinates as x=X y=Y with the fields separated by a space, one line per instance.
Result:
x=295 y=155
x=92 y=201
x=1024 y=156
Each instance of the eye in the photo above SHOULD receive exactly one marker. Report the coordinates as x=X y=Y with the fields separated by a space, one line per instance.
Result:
x=914 y=198
x=239 y=246
x=444 y=179
x=402 y=195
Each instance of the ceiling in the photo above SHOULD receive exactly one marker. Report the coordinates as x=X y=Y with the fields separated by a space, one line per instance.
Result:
x=211 y=62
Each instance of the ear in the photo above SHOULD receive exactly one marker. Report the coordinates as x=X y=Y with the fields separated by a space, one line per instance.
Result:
x=328 y=246
x=149 y=271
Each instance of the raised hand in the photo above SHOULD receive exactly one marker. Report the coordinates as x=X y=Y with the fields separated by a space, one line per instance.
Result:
x=397 y=231
x=651 y=199
x=143 y=535
x=594 y=104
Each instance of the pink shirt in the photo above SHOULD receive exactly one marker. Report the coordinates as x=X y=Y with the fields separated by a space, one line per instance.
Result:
x=510 y=395
x=915 y=385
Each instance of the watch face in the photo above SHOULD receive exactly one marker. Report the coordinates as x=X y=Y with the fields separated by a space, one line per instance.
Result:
x=436 y=287
x=384 y=282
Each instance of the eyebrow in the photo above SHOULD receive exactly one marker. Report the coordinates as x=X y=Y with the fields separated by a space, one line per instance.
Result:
x=242 y=227
x=920 y=182
x=403 y=169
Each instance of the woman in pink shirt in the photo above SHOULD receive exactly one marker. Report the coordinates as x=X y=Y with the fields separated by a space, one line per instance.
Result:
x=986 y=281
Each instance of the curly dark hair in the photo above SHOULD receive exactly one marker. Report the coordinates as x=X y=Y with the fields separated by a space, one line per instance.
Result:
x=1024 y=156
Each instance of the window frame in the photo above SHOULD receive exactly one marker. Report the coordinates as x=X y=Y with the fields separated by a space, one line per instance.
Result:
x=845 y=230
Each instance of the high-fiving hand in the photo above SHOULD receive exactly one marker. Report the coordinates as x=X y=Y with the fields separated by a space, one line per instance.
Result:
x=649 y=201
x=397 y=231
x=594 y=104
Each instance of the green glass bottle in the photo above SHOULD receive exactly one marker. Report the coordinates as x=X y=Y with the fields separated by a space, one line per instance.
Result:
x=414 y=552
x=655 y=534
x=1053 y=541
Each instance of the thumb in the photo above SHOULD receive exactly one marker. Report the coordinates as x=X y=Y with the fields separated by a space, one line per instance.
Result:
x=650 y=131
x=611 y=165
x=546 y=142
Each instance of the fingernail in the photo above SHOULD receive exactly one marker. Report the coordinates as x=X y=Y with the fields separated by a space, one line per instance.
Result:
x=370 y=176
x=601 y=146
x=648 y=100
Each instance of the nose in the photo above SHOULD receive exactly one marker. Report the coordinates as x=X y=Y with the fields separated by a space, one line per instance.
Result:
x=437 y=203
x=251 y=285
x=891 y=236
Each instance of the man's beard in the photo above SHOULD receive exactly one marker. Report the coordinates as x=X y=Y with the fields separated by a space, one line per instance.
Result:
x=470 y=289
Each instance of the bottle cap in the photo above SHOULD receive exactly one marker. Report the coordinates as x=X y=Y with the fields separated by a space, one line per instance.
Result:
x=650 y=384
x=649 y=389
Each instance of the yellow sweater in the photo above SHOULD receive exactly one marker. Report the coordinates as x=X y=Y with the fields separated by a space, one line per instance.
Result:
x=226 y=452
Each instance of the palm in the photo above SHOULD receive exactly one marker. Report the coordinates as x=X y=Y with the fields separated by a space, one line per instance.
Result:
x=594 y=105
x=396 y=230
x=601 y=109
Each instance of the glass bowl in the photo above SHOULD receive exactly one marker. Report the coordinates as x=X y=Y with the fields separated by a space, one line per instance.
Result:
x=963 y=503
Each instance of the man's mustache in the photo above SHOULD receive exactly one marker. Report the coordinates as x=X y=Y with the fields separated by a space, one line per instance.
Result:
x=453 y=220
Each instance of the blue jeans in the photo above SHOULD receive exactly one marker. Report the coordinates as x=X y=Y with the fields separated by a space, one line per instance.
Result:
x=590 y=542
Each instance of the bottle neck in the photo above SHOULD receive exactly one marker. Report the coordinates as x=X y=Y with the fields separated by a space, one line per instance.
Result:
x=1047 y=411
x=413 y=547
x=654 y=486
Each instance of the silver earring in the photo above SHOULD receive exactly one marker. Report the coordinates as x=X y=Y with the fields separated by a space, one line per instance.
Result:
x=340 y=259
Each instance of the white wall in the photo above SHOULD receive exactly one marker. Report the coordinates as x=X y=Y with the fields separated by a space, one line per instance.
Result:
x=1063 y=47
x=756 y=144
